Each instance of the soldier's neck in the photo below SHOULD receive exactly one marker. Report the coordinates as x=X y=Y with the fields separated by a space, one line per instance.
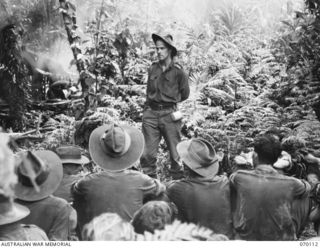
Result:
x=165 y=63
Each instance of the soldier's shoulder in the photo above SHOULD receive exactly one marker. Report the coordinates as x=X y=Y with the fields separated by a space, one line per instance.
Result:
x=178 y=66
x=154 y=63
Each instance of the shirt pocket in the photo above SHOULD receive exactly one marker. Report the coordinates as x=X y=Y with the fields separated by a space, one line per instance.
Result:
x=169 y=87
x=152 y=83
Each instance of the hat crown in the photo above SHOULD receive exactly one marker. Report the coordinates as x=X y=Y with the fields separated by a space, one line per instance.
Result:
x=169 y=37
x=6 y=203
x=32 y=167
x=69 y=152
x=115 y=141
x=202 y=151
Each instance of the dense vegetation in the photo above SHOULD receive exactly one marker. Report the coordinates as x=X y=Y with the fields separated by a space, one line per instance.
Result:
x=252 y=66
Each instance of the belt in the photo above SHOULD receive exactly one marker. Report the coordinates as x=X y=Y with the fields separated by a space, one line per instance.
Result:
x=159 y=106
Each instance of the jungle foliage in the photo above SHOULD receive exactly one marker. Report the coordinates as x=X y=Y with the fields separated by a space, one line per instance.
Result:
x=248 y=71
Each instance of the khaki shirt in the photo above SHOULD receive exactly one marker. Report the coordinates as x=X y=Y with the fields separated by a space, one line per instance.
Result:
x=204 y=201
x=121 y=192
x=169 y=86
x=51 y=214
x=262 y=200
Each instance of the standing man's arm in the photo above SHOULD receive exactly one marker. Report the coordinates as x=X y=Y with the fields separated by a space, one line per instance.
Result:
x=184 y=85
x=148 y=86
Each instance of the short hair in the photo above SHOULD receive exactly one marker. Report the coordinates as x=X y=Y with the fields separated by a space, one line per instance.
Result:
x=108 y=226
x=274 y=131
x=293 y=144
x=178 y=231
x=267 y=147
x=153 y=215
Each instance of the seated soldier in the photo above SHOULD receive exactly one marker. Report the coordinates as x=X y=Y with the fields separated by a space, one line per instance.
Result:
x=39 y=175
x=118 y=189
x=294 y=163
x=72 y=162
x=203 y=197
x=268 y=205
x=10 y=227
x=283 y=164
x=153 y=215
x=302 y=158
x=11 y=213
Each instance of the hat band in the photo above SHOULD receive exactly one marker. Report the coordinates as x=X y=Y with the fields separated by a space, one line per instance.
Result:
x=204 y=163
x=40 y=179
x=70 y=156
x=111 y=152
x=5 y=204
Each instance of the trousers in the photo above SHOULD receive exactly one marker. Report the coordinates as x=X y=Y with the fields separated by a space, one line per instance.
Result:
x=155 y=125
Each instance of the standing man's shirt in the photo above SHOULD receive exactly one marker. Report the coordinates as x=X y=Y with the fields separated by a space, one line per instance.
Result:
x=262 y=202
x=169 y=86
x=120 y=192
x=51 y=214
x=205 y=202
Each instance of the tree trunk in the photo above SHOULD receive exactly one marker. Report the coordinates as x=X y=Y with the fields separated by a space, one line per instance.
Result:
x=69 y=18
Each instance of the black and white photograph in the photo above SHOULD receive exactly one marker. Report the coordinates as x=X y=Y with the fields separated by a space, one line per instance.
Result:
x=162 y=120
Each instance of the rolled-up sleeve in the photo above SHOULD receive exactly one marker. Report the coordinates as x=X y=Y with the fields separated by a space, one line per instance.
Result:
x=60 y=229
x=301 y=188
x=152 y=186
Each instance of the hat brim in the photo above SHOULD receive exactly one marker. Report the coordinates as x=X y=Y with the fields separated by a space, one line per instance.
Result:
x=16 y=213
x=61 y=83
x=116 y=163
x=82 y=160
x=211 y=170
x=156 y=37
x=49 y=186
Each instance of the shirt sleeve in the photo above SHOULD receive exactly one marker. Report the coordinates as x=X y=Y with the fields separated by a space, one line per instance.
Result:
x=301 y=188
x=152 y=186
x=172 y=188
x=148 y=84
x=232 y=178
x=233 y=191
x=33 y=233
x=184 y=86
x=77 y=187
x=60 y=228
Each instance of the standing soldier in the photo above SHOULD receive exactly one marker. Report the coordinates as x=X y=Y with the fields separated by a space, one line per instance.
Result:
x=167 y=86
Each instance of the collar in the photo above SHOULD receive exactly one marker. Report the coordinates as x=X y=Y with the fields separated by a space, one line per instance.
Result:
x=266 y=168
x=203 y=179
x=168 y=68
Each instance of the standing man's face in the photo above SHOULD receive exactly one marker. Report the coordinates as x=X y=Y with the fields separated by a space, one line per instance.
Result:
x=163 y=51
